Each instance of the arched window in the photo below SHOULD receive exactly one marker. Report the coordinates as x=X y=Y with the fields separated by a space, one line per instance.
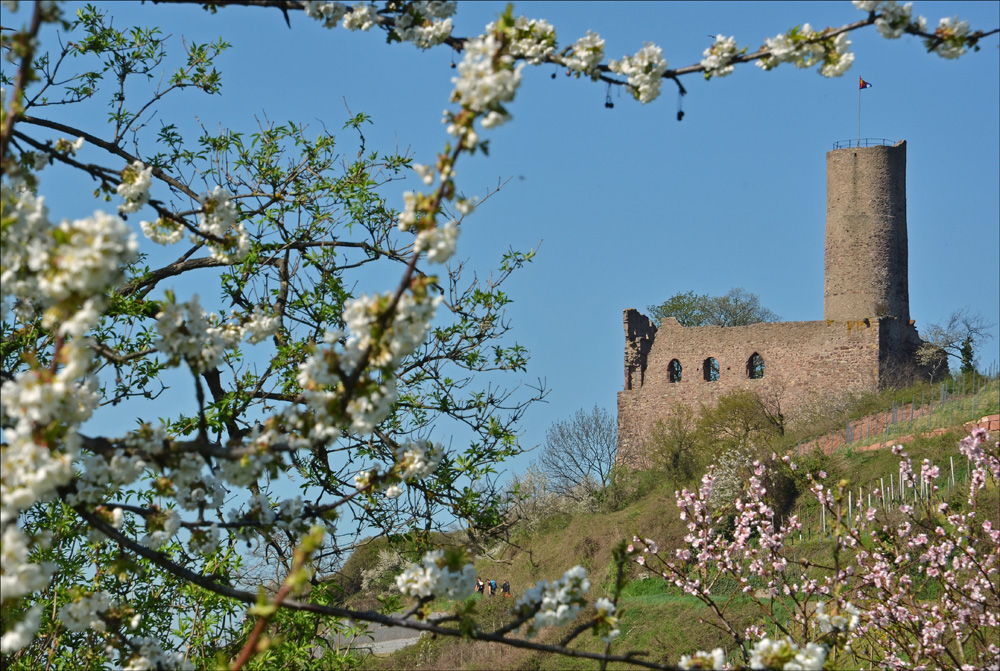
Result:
x=674 y=371
x=710 y=369
x=755 y=367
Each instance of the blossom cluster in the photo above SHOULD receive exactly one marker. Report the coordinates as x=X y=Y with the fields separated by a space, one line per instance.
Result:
x=949 y=37
x=893 y=19
x=948 y=40
x=607 y=621
x=260 y=512
x=805 y=47
x=162 y=231
x=644 y=71
x=229 y=241
x=330 y=13
x=584 y=55
x=84 y=613
x=101 y=477
x=487 y=78
x=718 y=60
x=704 y=660
x=534 y=40
x=361 y=17
x=425 y=23
x=894 y=553
x=439 y=573
x=785 y=654
x=324 y=374
x=556 y=604
x=134 y=188
x=418 y=460
x=415 y=460
x=438 y=242
x=149 y=654
x=61 y=272
x=201 y=339
x=69 y=147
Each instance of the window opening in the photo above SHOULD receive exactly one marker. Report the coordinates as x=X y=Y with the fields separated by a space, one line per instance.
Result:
x=674 y=371
x=710 y=369
x=755 y=367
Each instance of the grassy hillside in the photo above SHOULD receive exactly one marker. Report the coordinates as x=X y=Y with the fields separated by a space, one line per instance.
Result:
x=654 y=615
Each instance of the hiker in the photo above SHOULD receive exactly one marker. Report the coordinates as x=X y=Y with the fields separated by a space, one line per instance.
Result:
x=479 y=584
x=505 y=588
x=493 y=587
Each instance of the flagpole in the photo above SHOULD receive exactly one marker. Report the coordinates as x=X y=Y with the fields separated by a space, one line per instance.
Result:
x=859 y=117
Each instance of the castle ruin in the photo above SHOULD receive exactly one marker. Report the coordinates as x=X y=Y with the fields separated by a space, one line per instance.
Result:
x=865 y=341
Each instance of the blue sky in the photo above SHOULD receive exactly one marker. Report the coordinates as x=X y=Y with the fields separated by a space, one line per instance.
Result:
x=630 y=205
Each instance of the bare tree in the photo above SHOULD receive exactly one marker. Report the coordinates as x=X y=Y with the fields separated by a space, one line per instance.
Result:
x=579 y=453
x=959 y=336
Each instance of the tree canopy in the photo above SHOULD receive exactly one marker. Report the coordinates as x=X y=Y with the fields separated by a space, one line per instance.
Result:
x=738 y=307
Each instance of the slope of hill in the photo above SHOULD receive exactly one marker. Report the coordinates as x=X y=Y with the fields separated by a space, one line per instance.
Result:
x=654 y=615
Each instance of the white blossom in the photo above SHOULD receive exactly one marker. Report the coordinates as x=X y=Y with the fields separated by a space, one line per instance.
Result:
x=101 y=477
x=162 y=231
x=330 y=13
x=21 y=633
x=434 y=577
x=361 y=17
x=805 y=47
x=219 y=219
x=466 y=206
x=204 y=541
x=248 y=469
x=718 y=61
x=188 y=333
x=704 y=660
x=425 y=172
x=17 y=576
x=425 y=24
x=810 y=658
x=418 y=459
x=485 y=78
x=949 y=39
x=366 y=477
x=585 y=55
x=259 y=326
x=83 y=613
x=195 y=486
x=847 y=620
x=893 y=18
x=557 y=603
x=65 y=146
x=785 y=654
x=644 y=71
x=531 y=39
x=438 y=242
x=150 y=655
x=134 y=189
x=160 y=529
x=837 y=60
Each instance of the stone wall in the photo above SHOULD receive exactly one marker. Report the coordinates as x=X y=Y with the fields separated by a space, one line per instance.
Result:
x=803 y=362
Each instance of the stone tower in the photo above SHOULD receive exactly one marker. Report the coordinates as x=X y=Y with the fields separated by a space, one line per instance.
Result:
x=866 y=250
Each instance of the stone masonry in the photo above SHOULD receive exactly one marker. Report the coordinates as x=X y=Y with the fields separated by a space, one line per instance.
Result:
x=865 y=341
